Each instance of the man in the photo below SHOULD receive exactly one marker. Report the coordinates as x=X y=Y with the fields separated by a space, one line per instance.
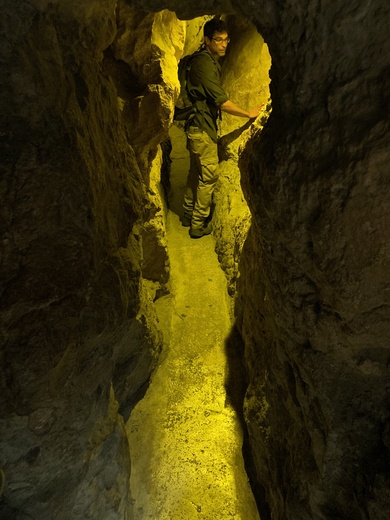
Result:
x=205 y=90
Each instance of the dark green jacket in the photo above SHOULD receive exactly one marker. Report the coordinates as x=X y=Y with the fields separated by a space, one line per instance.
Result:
x=205 y=90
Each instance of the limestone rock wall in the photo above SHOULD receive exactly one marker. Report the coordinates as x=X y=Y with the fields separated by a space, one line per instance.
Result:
x=81 y=215
x=314 y=305
x=148 y=47
x=189 y=9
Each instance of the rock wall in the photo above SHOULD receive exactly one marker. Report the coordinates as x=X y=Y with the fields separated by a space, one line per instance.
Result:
x=247 y=63
x=81 y=218
x=314 y=306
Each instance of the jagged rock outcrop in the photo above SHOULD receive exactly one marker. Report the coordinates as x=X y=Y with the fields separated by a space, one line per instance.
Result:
x=186 y=10
x=314 y=307
x=150 y=44
x=80 y=216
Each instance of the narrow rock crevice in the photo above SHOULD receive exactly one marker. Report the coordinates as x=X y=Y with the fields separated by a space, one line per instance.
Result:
x=185 y=435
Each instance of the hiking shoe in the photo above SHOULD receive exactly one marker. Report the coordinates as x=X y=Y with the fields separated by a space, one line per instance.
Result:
x=201 y=232
x=186 y=220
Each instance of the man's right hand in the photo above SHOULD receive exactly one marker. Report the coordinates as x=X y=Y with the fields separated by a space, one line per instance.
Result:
x=235 y=110
x=254 y=112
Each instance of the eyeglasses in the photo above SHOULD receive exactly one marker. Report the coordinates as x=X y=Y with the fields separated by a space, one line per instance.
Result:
x=221 y=40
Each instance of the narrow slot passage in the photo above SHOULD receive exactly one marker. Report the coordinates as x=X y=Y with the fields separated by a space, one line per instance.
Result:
x=185 y=438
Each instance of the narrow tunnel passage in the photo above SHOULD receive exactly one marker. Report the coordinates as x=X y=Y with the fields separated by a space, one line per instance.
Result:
x=79 y=136
x=186 y=439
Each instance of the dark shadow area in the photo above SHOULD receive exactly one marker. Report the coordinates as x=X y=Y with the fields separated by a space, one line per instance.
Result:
x=227 y=139
x=126 y=83
x=7 y=513
x=166 y=147
x=175 y=169
x=236 y=385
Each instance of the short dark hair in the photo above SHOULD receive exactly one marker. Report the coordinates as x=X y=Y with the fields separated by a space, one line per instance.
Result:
x=213 y=26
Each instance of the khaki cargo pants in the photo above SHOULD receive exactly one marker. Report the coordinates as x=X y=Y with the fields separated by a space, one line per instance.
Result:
x=202 y=176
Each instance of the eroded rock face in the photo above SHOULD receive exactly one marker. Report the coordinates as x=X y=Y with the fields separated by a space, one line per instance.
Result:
x=78 y=332
x=150 y=44
x=313 y=309
x=186 y=10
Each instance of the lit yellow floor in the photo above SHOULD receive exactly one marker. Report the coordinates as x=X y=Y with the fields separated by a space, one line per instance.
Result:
x=186 y=441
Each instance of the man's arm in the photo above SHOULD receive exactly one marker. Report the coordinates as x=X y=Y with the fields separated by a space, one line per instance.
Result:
x=230 y=108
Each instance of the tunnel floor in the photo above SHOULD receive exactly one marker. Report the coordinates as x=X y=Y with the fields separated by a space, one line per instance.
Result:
x=185 y=438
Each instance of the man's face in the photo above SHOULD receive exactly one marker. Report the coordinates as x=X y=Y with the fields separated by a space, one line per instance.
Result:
x=217 y=44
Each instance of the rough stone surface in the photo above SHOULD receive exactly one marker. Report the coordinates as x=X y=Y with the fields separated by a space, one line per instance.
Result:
x=150 y=44
x=77 y=206
x=194 y=34
x=186 y=10
x=314 y=305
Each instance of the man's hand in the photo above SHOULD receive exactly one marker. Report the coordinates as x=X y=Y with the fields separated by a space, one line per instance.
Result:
x=234 y=110
x=254 y=112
